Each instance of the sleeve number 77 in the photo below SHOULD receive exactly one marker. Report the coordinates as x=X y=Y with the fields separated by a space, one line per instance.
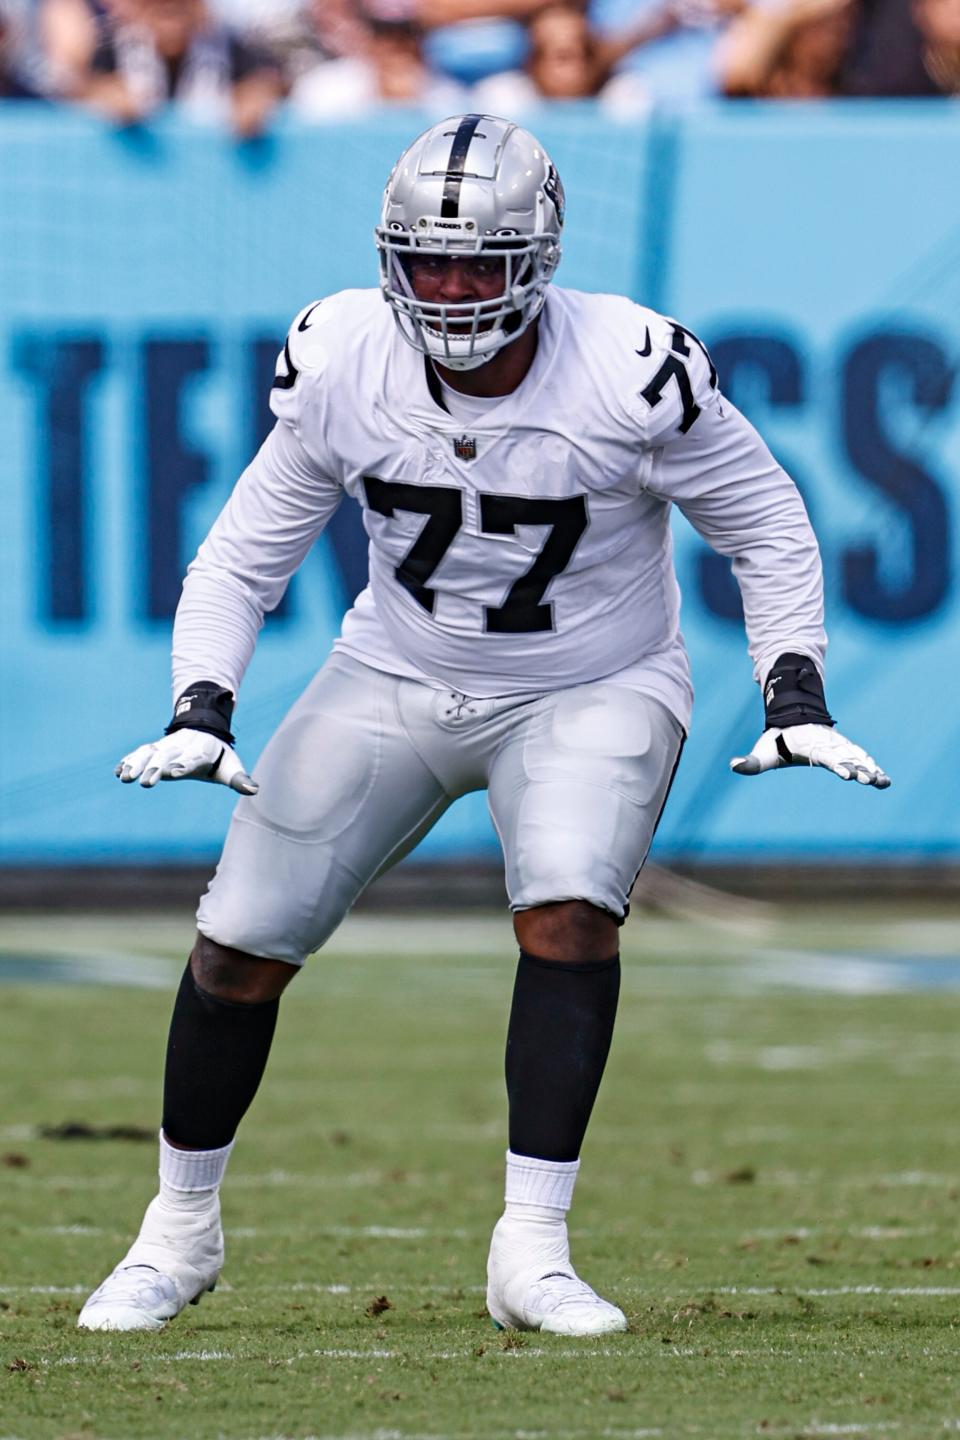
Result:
x=523 y=611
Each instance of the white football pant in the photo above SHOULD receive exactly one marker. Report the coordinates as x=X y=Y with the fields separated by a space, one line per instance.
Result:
x=365 y=763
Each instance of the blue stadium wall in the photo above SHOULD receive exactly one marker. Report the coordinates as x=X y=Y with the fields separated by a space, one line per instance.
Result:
x=147 y=279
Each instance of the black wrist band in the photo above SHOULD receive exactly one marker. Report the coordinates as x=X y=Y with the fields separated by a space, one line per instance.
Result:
x=206 y=706
x=793 y=694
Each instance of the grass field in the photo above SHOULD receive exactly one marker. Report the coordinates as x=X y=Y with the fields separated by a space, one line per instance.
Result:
x=770 y=1189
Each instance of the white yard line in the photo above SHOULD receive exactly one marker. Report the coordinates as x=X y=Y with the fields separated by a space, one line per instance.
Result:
x=365 y=1232
x=523 y=1351
x=889 y=1232
x=306 y=1287
x=253 y=1232
x=44 y=1289
x=835 y=1290
x=269 y=1180
x=857 y=1232
x=901 y=1177
x=364 y=1179
x=796 y=1178
x=786 y=1290
x=607 y=1432
x=831 y=1427
x=65 y=1230
x=358 y=1179
x=223 y=1288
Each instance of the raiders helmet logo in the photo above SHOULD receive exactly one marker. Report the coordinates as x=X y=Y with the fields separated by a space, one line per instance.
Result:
x=554 y=190
x=465 y=448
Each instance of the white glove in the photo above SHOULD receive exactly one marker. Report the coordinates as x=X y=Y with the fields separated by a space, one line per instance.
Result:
x=811 y=745
x=186 y=755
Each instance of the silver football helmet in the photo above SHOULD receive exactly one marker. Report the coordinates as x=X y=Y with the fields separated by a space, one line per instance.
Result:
x=472 y=185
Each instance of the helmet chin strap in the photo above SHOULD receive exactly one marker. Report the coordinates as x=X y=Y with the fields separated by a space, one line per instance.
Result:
x=440 y=355
x=461 y=362
x=505 y=331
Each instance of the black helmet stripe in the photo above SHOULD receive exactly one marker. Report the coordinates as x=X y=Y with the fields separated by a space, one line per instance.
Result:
x=450 y=208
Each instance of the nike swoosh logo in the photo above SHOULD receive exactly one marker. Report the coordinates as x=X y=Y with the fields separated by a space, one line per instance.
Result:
x=305 y=322
x=647 y=347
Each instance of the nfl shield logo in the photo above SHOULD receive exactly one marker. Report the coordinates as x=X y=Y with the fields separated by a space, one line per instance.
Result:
x=465 y=448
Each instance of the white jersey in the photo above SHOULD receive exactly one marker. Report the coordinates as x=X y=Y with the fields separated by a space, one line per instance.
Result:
x=527 y=548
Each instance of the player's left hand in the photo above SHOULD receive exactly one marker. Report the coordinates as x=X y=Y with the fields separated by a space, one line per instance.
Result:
x=186 y=755
x=811 y=745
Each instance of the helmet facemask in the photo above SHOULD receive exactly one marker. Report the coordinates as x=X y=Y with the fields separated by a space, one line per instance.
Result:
x=464 y=334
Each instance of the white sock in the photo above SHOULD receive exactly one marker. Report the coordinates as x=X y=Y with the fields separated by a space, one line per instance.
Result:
x=538 y=1191
x=190 y=1179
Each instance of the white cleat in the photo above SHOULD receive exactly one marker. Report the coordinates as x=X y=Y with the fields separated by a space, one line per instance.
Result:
x=174 y=1260
x=531 y=1285
x=134 y=1297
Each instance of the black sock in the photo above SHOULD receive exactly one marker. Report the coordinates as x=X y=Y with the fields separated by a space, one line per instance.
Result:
x=216 y=1055
x=561 y=1025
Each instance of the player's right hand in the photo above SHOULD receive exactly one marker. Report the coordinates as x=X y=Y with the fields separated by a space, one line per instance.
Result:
x=186 y=755
x=811 y=745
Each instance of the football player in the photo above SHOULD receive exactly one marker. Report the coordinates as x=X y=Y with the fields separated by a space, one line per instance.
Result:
x=516 y=449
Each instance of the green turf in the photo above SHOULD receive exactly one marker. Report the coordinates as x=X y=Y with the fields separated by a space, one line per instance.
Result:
x=770 y=1188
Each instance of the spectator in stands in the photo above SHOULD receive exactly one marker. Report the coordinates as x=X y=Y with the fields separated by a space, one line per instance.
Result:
x=340 y=26
x=253 y=17
x=13 y=86
x=390 y=70
x=939 y=24
x=298 y=34
x=471 y=39
x=886 y=54
x=795 y=50
x=569 y=60
x=151 y=52
x=69 y=31
x=452 y=12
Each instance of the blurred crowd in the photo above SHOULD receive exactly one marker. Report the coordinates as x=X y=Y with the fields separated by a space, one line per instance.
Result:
x=237 y=61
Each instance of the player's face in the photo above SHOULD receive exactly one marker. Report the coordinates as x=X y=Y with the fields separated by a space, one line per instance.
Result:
x=457 y=279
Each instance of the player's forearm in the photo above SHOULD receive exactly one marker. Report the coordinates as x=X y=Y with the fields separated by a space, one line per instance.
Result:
x=214 y=632
x=776 y=563
x=278 y=508
x=747 y=508
x=782 y=593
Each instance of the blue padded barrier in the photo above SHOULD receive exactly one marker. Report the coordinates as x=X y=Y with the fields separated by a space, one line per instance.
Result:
x=147 y=278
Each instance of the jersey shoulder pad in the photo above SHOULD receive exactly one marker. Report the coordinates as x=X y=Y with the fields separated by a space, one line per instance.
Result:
x=323 y=329
x=303 y=351
x=654 y=374
x=605 y=323
x=676 y=380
